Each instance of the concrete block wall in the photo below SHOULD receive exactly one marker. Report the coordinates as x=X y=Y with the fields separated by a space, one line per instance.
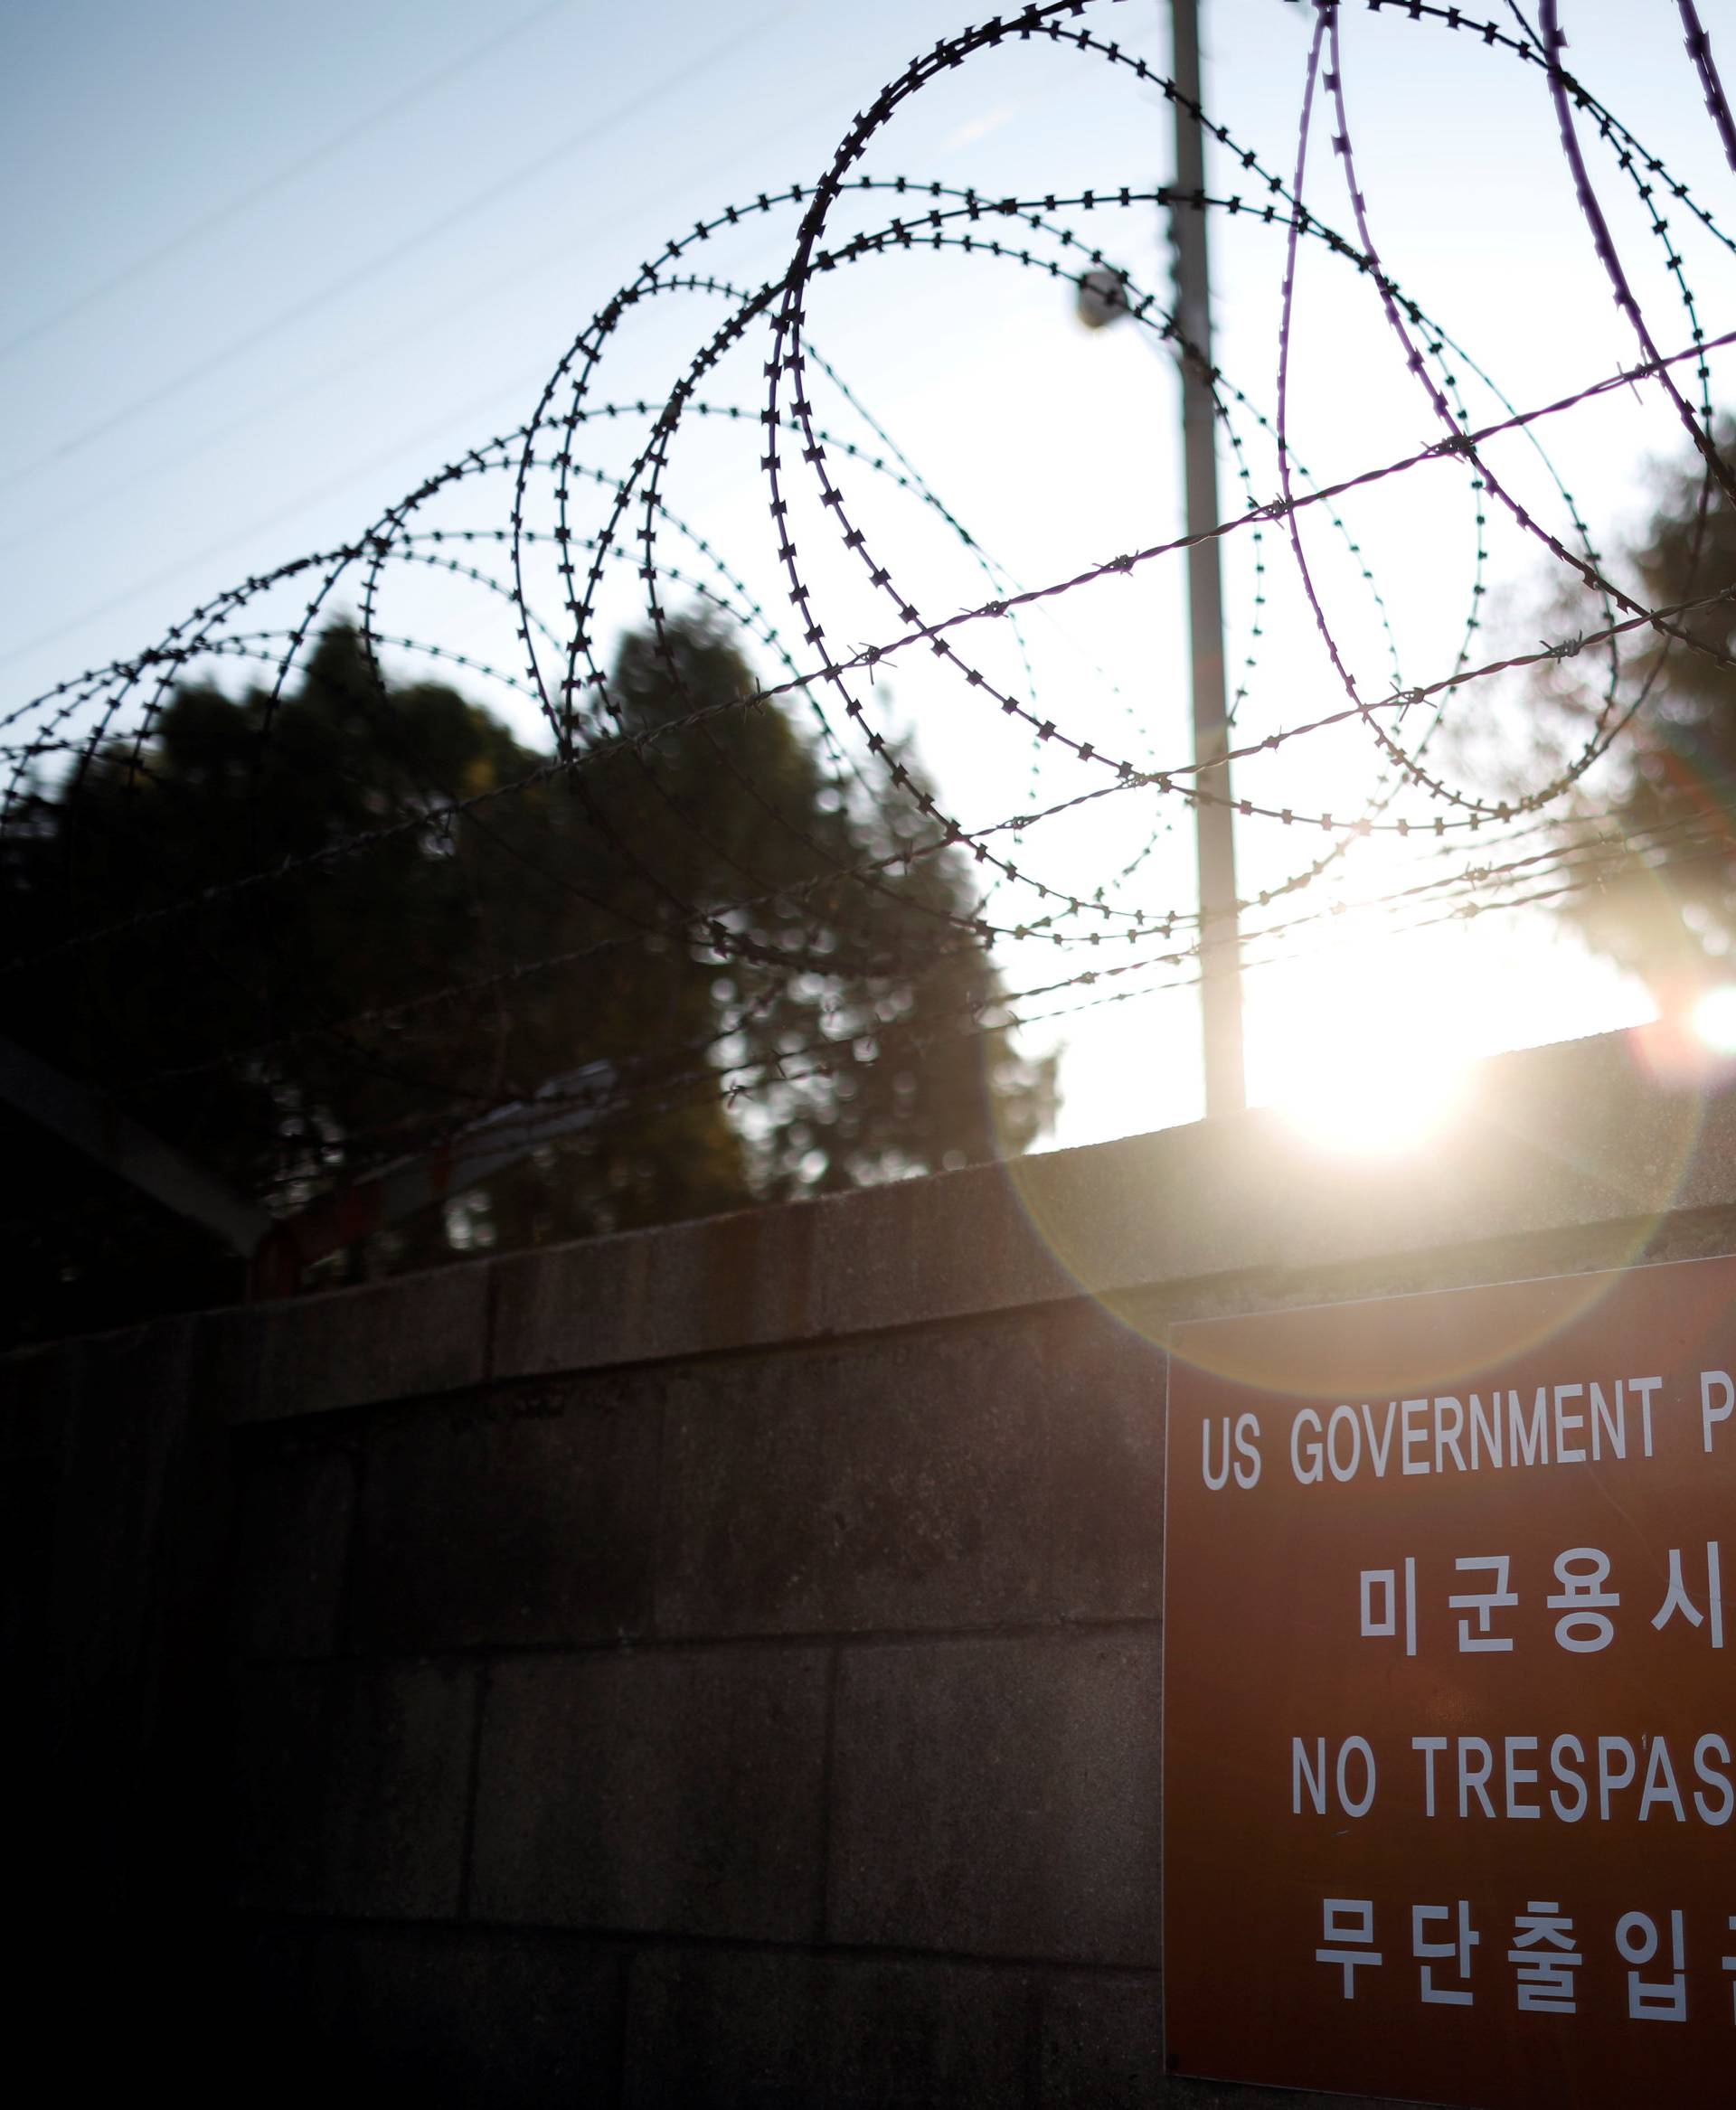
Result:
x=719 y=1666
x=777 y=1728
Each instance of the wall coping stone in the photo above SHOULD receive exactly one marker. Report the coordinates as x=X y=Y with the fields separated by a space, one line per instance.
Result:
x=1569 y=1138
x=1551 y=1139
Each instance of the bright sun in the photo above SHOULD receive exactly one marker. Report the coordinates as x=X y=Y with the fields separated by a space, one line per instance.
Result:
x=1714 y=1019
x=1346 y=1063
x=1382 y=1103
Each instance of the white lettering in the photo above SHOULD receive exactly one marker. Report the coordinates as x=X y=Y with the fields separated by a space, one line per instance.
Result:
x=1720 y=1813
x=1429 y=1746
x=1475 y=1780
x=1708 y=1412
x=1360 y=1746
x=1247 y=1474
x=1660 y=1783
x=1316 y=1467
x=1603 y=1423
x=1518 y=1776
x=1485 y=1428
x=1313 y=1778
x=1530 y=1444
x=1379 y=1449
x=1569 y=1777
x=1343 y=1417
x=1564 y=1455
x=1609 y=1779
x=1415 y=1437
x=1645 y=1387
x=1447 y=1436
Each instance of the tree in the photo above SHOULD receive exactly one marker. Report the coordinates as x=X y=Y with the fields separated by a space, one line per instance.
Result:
x=1663 y=904
x=257 y=933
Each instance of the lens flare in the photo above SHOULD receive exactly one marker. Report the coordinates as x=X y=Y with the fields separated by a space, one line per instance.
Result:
x=1366 y=1056
x=1413 y=1135
x=1714 y=1019
x=1384 y=1104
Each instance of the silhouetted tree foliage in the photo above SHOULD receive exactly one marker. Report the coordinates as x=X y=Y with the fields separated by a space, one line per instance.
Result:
x=1666 y=909
x=336 y=1016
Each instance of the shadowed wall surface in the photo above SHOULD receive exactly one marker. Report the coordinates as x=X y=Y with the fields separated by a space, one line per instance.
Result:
x=717 y=1666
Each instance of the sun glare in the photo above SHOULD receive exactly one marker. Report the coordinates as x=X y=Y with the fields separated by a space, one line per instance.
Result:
x=1378 y=1104
x=1343 y=1077
x=1714 y=1019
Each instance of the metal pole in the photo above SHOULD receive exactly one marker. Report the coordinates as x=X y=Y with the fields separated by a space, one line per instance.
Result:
x=75 y=1113
x=1220 y=955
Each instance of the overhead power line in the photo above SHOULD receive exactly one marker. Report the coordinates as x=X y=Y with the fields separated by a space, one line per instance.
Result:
x=362 y=274
x=220 y=215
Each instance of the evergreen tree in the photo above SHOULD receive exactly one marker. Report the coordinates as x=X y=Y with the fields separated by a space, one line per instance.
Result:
x=605 y=940
x=1664 y=800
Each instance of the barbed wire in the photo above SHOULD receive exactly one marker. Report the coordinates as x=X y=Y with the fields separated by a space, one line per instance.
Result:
x=821 y=872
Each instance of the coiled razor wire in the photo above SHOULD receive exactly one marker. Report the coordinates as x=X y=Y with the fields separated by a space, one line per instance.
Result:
x=564 y=534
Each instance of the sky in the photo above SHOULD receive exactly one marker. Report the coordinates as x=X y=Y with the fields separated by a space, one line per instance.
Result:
x=268 y=267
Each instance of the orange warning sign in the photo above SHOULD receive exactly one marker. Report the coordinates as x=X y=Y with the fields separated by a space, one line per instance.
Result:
x=1451 y=1695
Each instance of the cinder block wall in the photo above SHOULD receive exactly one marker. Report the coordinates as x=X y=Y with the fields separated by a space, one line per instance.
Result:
x=716 y=1665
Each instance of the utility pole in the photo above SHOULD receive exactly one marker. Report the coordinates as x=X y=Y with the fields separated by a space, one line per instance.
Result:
x=1220 y=953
